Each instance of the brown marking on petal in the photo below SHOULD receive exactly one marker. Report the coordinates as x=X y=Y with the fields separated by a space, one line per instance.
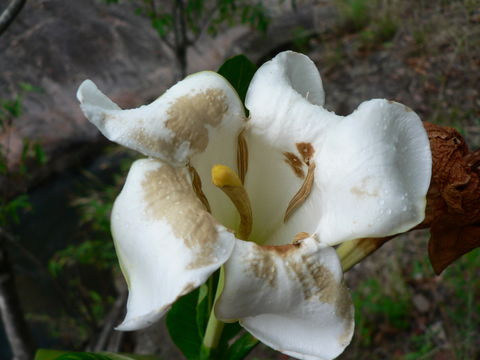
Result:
x=262 y=265
x=302 y=194
x=188 y=288
x=150 y=143
x=295 y=163
x=407 y=109
x=197 y=187
x=343 y=303
x=188 y=118
x=169 y=196
x=300 y=236
x=362 y=191
x=242 y=156
x=282 y=250
x=345 y=311
x=306 y=150
x=315 y=279
x=189 y=115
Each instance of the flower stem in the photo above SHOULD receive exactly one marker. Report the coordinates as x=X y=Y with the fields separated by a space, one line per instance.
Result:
x=214 y=326
x=353 y=251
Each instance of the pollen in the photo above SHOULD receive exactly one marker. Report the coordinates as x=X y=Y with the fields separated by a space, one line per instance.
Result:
x=222 y=176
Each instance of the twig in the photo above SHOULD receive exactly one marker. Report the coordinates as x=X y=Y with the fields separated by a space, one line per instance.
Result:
x=10 y=13
x=14 y=322
x=106 y=340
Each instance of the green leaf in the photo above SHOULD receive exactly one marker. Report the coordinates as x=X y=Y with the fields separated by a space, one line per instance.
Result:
x=230 y=330
x=182 y=326
x=40 y=154
x=26 y=87
x=45 y=354
x=239 y=71
x=241 y=347
x=14 y=107
x=202 y=310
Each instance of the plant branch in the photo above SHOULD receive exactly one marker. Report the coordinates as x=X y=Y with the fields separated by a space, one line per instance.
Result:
x=12 y=315
x=10 y=13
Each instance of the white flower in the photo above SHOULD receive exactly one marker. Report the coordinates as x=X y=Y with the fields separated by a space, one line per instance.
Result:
x=312 y=176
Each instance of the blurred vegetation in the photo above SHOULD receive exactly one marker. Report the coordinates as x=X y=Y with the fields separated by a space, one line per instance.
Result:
x=181 y=23
x=32 y=154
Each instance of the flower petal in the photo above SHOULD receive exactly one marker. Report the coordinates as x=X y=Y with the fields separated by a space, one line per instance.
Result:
x=373 y=171
x=290 y=297
x=166 y=242
x=285 y=99
x=174 y=127
x=381 y=149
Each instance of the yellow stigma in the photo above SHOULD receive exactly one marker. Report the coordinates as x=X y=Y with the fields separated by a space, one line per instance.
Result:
x=222 y=176
x=228 y=181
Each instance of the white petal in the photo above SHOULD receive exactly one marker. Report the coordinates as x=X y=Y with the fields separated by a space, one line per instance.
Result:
x=381 y=149
x=167 y=244
x=285 y=100
x=177 y=125
x=373 y=171
x=290 y=297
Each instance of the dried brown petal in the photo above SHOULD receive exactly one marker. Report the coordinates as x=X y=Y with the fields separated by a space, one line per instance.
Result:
x=453 y=200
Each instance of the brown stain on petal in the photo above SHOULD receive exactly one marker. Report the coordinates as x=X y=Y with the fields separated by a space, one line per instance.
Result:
x=295 y=163
x=362 y=191
x=306 y=150
x=343 y=303
x=168 y=196
x=187 y=119
x=345 y=311
x=262 y=265
x=282 y=250
x=315 y=279
x=150 y=143
x=300 y=236
x=189 y=114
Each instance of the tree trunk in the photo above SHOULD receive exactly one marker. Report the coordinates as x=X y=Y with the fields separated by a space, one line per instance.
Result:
x=181 y=66
x=12 y=315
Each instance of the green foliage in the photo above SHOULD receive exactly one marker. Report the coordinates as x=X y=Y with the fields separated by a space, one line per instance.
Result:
x=9 y=211
x=241 y=348
x=239 y=71
x=355 y=13
x=301 y=39
x=183 y=328
x=94 y=206
x=463 y=283
x=44 y=354
x=32 y=154
x=181 y=24
x=187 y=334
x=373 y=306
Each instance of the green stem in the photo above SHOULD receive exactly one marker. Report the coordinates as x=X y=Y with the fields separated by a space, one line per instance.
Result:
x=352 y=252
x=214 y=326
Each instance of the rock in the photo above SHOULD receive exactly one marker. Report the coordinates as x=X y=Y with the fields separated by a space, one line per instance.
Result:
x=421 y=303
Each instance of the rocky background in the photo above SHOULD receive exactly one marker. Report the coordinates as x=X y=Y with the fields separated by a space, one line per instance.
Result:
x=423 y=54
